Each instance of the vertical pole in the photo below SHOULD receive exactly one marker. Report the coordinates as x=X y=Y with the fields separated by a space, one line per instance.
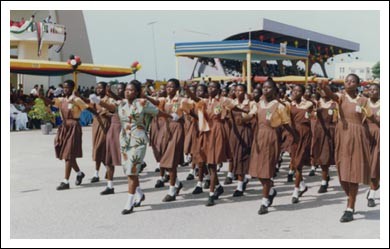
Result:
x=243 y=71
x=307 y=62
x=76 y=85
x=249 y=72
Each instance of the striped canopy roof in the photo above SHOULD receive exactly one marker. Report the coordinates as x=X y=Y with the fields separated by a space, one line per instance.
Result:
x=238 y=49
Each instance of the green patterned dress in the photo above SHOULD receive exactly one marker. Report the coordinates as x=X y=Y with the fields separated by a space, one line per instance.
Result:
x=133 y=138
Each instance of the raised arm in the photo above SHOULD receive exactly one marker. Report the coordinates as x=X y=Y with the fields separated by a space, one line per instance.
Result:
x=324 y=86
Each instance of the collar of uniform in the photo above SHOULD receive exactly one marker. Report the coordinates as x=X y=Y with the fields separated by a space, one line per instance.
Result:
x=371 y=104
x=263 y=104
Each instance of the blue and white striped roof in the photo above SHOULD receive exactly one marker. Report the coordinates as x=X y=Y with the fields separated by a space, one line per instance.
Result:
x=238 y=49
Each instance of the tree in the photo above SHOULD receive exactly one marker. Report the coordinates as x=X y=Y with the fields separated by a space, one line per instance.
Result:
x=376 y=72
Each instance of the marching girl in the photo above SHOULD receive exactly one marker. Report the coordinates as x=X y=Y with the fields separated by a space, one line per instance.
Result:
x=270 y=115
x=322 y=149
x=190 y=132
x=216 y=148
x=100 y=126
x=352 y=144
x=172 y=154
x=198 y=149
x=158 y=127
x=300 y=152
x=241 y=137
x=133 y=138
x=68 y=140
x=113 y=153
x=227 y=126
x=374 y=106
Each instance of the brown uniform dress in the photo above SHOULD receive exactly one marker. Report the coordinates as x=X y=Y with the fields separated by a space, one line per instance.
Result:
x=300 y=118
x=266 y=145
x=68 y=141
x=173 y=139
x=287 y=138
x=322 y=149
x=189 y=129
x=217 y=149
x=198 y=148
x=374 y=140
x=157 y=130
x=99 y=132
x=352 y=146
x=241 y=137
x=113 y=148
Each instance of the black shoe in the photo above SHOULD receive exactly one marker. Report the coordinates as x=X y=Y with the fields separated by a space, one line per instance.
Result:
x=159 y=184
x=210 y=201
x=244 y=185
x=238 y=193
x=323 y=189
x=127 y=211
x=157 y=170
x=95 y=179
x=219 y=191
x=166 y=178
x=347 y=216
x=295 y=200
x=206 y=184
x=63 y=186
x=312 y=173
x=290 y=177
x=228 y=181
x=371 y=203
x=138 y=204
x=79 y=178
x=197 y=190
x=271 y=198
x=179 y=188
x=143 y=166
x=263 y=210
x=107 y=191
x=190 y=177
x=300 y=193
x=169 y=198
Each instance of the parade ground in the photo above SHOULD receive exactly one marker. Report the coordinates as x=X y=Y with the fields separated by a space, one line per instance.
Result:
x=39 y=211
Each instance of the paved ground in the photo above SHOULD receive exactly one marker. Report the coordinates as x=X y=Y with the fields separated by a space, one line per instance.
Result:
x=38 y=211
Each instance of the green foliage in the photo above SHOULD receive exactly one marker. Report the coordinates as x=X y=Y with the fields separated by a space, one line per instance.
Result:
x=41 y=112
x=376 y=72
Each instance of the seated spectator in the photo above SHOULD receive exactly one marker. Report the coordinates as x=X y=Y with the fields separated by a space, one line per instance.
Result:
x=20 y=118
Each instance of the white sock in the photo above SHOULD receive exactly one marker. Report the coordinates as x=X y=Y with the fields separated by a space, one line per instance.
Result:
x=211 y=194
x=291 y=172
x=79 y=173
x=129 y=202
x=271 y=191
x=265 y=201
x=302 y=185
x=162 y=178
x=240 y=185
x=192 y=172
x=349 y=209
x=247 y=177
x=371 y=195
x=295 y=193
x=139 y=192
x=110 y=184
x=207 y=177
x=313 y=168
x=177 y=183
x=158 y=165
x=172 y=191
x=230 y=175
x=324 y=182
x=96 y=173
x=199 y=184
x=66 y=181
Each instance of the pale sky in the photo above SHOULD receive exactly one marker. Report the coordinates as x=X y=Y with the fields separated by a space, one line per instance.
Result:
x=121 y=37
